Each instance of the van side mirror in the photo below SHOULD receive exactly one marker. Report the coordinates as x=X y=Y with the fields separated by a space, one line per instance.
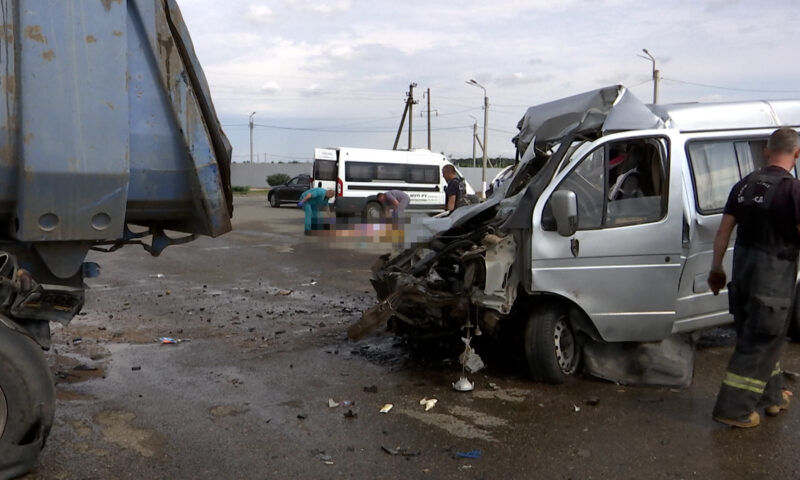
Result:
x=565 y=211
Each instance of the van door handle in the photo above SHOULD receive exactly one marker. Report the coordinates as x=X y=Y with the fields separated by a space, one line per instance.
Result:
x=575 y=246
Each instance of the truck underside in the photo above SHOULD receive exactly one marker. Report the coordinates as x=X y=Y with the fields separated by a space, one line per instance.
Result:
x=108 y=137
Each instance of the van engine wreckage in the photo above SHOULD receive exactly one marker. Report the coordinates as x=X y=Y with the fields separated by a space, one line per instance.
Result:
x=466 y=275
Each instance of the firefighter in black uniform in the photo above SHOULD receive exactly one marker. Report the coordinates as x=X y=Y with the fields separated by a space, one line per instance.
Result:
x=766 y=207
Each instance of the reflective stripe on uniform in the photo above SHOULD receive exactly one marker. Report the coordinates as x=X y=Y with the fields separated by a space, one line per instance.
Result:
x=744 y=383
x=777 y=370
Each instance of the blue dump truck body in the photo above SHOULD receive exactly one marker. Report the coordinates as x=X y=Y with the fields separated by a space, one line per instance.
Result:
x=107 y=137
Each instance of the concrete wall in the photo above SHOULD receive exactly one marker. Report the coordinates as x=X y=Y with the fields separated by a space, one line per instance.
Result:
x=254 y=175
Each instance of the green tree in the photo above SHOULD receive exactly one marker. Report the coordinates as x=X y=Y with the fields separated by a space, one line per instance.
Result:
x=277 y=179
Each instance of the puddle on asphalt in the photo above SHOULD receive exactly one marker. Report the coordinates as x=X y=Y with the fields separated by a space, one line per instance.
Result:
x=117 y=428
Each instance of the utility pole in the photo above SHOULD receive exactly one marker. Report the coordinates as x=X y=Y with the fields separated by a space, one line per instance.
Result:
x=474 y=138
x=407 y=112
x=656 y=75
x=251 y=136
x=429 y=119
x=411 y=103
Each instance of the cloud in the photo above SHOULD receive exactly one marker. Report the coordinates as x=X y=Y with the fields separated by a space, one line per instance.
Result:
x=314 y=91
x=259 y=13
x=516 y=79
x=271 y=88
x=328 y=7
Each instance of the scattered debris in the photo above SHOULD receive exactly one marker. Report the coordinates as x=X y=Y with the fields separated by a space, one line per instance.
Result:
x=350 y=414
x=284 y=292
x=404 y=452
x=302 y=416
x=136 y=368
x=326 y=459
x=577 y=408
x=470 y=360
x=85 y=368
x=372 y=389
x=593 y=401
x=471 y=454
x=794 y=376
x=428 y=403
x=463 y=385
x=169 y=340
x=493 y=386
x=386 y=408
x=344 y=403
x=77 y=341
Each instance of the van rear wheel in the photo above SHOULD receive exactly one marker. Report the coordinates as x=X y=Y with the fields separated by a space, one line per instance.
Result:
x=551 y=348
x=373 y=212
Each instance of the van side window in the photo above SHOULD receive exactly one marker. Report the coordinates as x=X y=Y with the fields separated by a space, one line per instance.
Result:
x=718 y=165
x=620 y=183
x=374 y=171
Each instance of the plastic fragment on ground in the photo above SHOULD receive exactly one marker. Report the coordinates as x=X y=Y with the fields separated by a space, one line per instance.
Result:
x=471 y=454
x=428 y=403
x=386 y=408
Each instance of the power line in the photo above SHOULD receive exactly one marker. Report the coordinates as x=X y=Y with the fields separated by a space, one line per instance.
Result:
x=737 y=89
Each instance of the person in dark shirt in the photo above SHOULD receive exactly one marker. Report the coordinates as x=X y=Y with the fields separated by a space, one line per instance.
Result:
x=766 y=207
x=455 y=191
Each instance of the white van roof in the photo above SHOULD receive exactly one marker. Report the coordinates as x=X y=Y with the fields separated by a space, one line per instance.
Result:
x=616 y=109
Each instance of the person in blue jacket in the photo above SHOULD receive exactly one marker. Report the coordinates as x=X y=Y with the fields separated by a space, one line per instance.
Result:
x=312 y=201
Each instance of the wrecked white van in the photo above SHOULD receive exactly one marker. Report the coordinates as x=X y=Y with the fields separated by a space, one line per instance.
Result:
x=603 y=236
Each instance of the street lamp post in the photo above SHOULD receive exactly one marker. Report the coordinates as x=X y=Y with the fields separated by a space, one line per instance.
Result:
x=655 y=74
x=251 y=136
x=485 y=129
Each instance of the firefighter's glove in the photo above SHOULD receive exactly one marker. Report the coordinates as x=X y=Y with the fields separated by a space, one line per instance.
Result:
x=300 y=204
x=716 y=280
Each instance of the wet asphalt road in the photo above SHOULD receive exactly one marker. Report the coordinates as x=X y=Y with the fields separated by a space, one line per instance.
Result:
x=262 y=313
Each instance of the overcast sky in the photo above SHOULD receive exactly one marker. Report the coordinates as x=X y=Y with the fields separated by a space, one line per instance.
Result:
x=336 y=72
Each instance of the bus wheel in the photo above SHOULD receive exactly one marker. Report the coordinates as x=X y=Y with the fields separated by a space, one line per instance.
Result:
x=551 y=348
x=372 y=212
x=27 y=402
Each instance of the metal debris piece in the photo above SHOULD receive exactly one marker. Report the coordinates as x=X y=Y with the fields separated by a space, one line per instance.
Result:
x=386 y=408
x=428 y=403
x=332 y=403
x=401 y=451
x=284 y=292
x=493 y=386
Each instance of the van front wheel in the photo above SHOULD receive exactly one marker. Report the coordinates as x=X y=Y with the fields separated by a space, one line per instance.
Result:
x=551 y=348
